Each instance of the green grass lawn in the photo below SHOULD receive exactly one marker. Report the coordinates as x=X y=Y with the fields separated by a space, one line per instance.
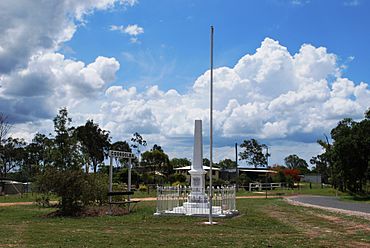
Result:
x=31 y=197
x=27 y=197
x=261 y=223
x=303 y=190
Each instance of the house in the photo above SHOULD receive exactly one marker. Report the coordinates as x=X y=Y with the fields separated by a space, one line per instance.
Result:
x=184 y=171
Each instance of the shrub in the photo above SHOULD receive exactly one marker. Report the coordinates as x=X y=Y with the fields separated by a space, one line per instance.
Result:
x=177 y=178
x=143 y=188
x=244 y=181
x=75 y=188
x=178 y=183
x=43 y=200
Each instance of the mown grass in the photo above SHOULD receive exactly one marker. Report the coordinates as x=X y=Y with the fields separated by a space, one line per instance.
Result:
x=261 y=223
x=305 y=189
x=26 y=197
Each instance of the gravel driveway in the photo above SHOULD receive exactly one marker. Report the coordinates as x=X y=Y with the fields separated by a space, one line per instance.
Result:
x=332 y=202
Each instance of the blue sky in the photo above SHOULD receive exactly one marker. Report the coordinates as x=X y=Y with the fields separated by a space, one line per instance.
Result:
x=175 y=43
x=285 y=71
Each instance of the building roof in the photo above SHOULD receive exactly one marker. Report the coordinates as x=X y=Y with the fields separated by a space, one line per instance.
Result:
x=189 y=168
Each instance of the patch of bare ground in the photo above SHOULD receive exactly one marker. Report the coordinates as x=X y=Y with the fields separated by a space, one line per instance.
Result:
x=350 y=227
x=288 y=218
x=356 y=244
x=328 y=229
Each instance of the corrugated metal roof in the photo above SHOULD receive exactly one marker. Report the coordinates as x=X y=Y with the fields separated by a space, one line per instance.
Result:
x=258 y=171
x=189 y=168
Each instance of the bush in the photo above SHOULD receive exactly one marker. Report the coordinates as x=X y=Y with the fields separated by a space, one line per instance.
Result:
x=143 y=188
x=244 y=181
x=98 y=184
x=43 y=200
x=178 y=183
x=218 y=182
x=177 y=178
x=75 y=188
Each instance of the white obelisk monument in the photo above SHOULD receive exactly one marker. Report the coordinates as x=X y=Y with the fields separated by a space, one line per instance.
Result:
x=197 y=197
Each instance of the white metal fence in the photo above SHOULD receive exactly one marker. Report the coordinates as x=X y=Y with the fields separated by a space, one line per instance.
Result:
x=181 y=201
x=264 y=186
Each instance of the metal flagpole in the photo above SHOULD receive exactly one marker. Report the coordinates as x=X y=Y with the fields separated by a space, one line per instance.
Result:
x=211 y=134
x=110 y=180
x=236 y=164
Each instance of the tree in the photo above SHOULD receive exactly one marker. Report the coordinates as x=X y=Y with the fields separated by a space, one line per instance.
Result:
x=227 y=164
x=348 y=158
x=95 y=143
x=295 y=162
x=180 y=162
x=4 y=127
x=13 y=155
x=156 y=160
x=45 y=147
x=321 y=166
x=350 y=153
x=66 y=153
x=253 y=153
x=206 y=162
x=157 y=148
x=138 y=143
x=121 y=146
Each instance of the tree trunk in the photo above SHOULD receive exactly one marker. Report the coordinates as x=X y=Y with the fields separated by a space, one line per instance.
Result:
x=95 y=164
x=87 y=165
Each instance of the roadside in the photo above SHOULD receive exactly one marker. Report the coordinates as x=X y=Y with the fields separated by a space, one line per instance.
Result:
x=332 y=204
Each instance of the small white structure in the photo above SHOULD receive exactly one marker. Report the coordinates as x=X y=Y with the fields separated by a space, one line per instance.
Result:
x=194 y=200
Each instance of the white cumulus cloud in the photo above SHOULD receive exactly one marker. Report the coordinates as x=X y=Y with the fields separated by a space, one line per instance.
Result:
x=270 y=95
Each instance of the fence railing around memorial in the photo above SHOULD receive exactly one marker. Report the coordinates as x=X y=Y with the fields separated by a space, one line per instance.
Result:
x=173 y=199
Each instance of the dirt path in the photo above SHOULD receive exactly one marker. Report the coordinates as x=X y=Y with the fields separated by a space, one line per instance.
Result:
x=8 y=204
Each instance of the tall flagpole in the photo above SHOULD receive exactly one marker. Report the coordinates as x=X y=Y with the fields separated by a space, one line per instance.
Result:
x=211 y=134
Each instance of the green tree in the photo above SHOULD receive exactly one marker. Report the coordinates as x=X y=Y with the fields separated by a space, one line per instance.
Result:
x=157 y=148
x=180 y=162
x=155 y=160
x=294 y=162
x=351 y=154
x=95 y=143
x=44 y=149
x=227 y=164
x=5 y=127
x=320 y=163
x=138 y=143
x=206 y=162
x=253 y=153
x=13 y=155
x=66 y=153
x=121 y=146
x=348 y=158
